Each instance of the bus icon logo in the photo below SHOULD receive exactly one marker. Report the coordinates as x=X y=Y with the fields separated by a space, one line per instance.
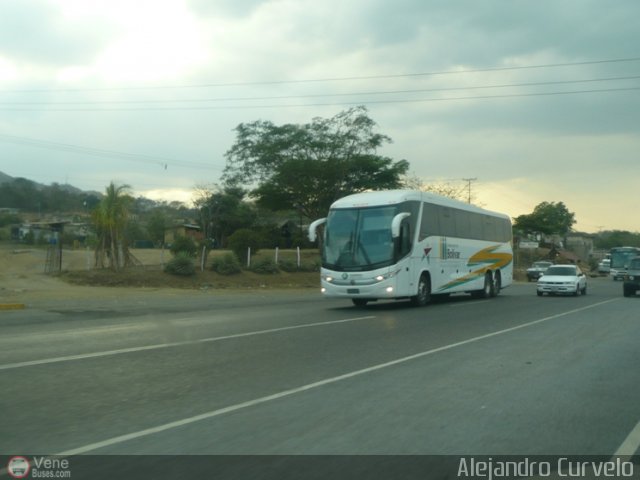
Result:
x=18 y=467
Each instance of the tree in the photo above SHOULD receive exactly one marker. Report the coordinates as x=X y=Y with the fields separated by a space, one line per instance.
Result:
x=617 y=238
x=307 y=167
x=222 y=212
x=446 y=189
x=110 y=219
x=548 y=218
x=157 y=226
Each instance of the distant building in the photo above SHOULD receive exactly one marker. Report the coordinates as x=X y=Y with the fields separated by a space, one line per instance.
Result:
x=183 y=230
x=41 y=231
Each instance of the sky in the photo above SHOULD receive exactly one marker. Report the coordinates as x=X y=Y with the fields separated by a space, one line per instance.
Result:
x=535 y=100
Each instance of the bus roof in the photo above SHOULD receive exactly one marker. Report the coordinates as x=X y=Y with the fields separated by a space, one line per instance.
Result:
x=393 y=197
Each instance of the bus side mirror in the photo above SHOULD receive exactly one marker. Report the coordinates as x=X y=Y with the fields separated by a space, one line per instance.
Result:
x=313 y=234
x=395 y=224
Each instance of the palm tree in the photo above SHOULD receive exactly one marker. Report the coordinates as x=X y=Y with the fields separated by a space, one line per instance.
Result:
x=110 y=219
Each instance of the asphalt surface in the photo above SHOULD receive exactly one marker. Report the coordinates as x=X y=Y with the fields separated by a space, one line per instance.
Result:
x=291 y=373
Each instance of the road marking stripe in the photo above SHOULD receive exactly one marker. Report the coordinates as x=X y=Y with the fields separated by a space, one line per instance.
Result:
x=250 y=403
x=630 y=444
x=120 y=351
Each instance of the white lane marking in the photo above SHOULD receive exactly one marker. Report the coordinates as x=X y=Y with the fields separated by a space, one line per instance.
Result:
x=82 y=356
x=250 y=403
x=65 y=334
x=630 y=445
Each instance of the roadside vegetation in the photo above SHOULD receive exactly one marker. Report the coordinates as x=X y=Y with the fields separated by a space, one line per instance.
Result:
x=223 y=270
x=229 y=235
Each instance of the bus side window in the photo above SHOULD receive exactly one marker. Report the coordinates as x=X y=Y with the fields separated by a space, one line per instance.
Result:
x=404 y=242
x=430 y=224
x=447 y=222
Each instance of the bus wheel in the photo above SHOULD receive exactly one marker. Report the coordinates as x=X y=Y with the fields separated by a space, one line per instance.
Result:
x=359 y=302
x=487 y=289
x=424 y=292
x=497 y=284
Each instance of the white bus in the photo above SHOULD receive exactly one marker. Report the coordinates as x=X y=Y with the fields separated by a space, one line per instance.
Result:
x=401 y=244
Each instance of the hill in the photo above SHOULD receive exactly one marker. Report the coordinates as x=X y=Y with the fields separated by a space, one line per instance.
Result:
x=4 y=178
x=29 y=196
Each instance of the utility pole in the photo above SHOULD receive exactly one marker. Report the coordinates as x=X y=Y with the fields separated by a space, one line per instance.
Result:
x=469 y=180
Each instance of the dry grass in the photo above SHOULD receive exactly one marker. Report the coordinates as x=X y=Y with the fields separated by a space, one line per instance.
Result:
x=23 y=268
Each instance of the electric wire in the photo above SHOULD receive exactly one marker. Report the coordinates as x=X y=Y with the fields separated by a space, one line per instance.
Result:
x=333 y=79
x=330 y=104
x=141 y=158
x=325 y=95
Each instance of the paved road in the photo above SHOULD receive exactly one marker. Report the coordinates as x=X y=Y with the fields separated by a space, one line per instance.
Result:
x=297 y=374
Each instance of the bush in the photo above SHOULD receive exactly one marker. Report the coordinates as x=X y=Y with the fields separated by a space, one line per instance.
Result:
x=243 y=239
x=29 y=238
x=227 y=264
x=184 y=245
x=264 y=265
x=288 y=266
x=7 y=219
x=181 y=264
x=309 y=267
x=292 y=266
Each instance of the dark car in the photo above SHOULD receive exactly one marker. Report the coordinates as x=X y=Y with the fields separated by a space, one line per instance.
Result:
x=536 y=270
x=632 y=278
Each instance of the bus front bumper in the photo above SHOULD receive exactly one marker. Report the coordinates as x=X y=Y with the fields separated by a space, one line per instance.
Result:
x=383 y=289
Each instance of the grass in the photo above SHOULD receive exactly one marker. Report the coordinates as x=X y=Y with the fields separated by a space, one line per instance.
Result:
x=154 y=276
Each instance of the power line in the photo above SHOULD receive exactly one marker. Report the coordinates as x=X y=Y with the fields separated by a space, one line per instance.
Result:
x=333 y=104
x=96 y=182
x=133 y=157
x=333 y=79
x=328 y=95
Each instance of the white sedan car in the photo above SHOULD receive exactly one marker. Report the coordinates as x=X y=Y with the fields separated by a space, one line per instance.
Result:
x=562 y=279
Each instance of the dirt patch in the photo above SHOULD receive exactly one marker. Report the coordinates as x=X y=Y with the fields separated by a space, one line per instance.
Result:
x=23 y=277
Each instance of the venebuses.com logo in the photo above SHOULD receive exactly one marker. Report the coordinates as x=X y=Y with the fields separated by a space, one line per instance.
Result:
x=38 y=467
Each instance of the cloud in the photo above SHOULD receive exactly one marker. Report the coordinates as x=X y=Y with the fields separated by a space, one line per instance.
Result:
x=35 y=32
x=225 y=8
x=146 y=63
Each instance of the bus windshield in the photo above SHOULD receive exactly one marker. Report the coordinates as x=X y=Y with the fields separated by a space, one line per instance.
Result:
x=620 y=257
x=359 y=238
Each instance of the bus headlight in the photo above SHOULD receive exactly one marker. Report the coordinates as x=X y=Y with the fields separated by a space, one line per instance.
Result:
x=380 y=278
x=328 y=278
